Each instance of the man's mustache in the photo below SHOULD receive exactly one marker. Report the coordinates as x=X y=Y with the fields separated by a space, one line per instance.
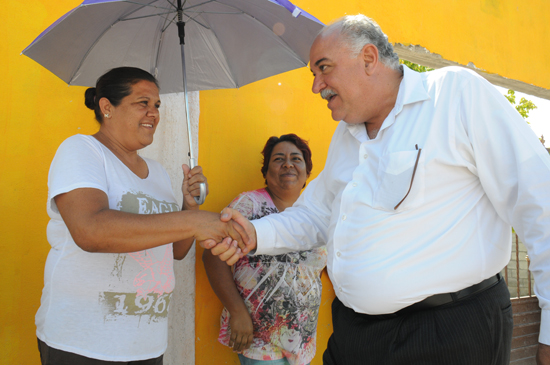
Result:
x=327 y=93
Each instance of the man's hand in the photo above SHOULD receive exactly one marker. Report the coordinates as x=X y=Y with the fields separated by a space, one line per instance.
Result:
x=543 y=354
x=241 y=331
x=191 y=186
x=209 y=228
x=228 y=250
x=232 y=214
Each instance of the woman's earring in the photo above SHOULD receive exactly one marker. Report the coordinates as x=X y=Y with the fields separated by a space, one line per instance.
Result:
x=107 y=115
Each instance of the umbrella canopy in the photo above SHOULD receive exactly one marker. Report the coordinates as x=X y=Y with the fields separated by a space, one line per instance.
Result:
x=228 y=43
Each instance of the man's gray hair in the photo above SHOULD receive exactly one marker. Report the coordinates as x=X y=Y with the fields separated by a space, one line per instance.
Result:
x=359 y=30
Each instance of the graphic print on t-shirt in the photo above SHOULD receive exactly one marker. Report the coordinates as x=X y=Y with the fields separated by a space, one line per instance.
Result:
x=140 y=203
x=154 y=275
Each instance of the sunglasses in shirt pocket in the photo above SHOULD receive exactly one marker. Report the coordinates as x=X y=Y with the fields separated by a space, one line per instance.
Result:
x=401 y=175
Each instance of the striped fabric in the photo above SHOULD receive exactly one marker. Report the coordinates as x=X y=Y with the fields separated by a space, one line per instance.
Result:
x=474 y=331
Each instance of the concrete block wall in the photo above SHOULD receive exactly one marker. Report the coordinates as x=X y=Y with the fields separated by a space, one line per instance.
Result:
x=512 y=270
x=526 y=331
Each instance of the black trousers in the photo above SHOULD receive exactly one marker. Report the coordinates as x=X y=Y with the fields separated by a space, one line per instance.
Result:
x=52 y=356
x=474 y=331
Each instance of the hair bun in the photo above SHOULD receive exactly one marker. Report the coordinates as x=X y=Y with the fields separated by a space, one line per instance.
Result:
x=89 y=98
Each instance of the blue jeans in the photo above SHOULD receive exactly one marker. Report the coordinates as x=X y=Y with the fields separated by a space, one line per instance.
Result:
x=247 y=361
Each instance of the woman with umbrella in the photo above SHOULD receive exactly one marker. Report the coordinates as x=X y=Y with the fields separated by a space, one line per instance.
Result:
x=113 y=217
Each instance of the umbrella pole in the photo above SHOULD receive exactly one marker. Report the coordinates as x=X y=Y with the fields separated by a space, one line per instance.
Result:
x=192 y=160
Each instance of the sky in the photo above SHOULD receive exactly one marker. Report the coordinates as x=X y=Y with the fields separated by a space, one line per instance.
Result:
x=539 y=119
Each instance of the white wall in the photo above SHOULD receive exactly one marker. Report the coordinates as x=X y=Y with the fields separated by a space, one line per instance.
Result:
x=170 y=148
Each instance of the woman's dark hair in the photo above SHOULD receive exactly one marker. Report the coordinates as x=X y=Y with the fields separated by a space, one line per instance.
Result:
x=295 y=140
x=115 y=85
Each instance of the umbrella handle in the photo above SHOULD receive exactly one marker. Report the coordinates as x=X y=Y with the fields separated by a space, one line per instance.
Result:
x=199 y=199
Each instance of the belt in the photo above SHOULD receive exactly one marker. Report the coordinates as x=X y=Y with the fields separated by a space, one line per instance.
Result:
x=446 y=298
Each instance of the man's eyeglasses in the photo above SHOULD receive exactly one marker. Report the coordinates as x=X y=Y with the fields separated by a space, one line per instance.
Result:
x=412 y=178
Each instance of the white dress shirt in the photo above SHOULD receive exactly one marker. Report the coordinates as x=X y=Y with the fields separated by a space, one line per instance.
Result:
x=481 y=170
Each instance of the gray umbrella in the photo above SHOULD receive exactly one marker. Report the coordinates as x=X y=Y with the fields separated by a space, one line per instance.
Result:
x=228 y=43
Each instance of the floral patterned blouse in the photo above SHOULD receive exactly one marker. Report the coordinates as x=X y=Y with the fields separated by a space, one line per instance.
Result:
x=282 y=293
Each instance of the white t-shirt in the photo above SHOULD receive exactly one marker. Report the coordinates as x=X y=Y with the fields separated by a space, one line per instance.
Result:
x=106 y=306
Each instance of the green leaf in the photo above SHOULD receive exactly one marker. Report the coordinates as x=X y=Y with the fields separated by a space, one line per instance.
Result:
x=523 y=108
x=415 y=66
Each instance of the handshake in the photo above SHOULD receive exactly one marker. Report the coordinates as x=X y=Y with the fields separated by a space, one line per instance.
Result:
x=229 y=235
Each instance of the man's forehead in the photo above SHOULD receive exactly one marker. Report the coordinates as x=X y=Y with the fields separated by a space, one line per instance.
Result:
x=323 y=47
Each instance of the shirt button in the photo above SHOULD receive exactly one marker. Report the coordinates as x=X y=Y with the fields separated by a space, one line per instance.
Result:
x=354 y=184
x=344 y=217
x=340 y=289
x=338 y=253
x=365 y=156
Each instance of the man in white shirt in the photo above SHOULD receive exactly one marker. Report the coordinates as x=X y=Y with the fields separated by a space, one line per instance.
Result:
x=424 y=177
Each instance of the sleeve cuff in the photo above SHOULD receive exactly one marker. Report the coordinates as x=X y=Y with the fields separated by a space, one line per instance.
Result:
x=265 y=236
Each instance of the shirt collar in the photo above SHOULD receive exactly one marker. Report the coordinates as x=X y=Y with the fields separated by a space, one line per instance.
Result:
x=411 y=90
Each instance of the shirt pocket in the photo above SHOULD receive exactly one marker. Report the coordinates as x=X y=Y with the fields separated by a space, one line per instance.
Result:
x=395 y=174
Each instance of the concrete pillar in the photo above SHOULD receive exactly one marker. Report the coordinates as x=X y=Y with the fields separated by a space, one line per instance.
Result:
x=170 y=148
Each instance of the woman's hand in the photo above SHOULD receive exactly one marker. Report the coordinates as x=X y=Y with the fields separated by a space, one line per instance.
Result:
x=191 y=186
x=221 y=281
x=207 y=226
x=229 y=250
x=241 y=331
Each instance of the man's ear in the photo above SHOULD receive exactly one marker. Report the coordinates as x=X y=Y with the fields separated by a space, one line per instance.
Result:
x=369 y=55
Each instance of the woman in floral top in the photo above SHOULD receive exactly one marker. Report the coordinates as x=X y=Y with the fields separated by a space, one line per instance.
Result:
x=271 y=302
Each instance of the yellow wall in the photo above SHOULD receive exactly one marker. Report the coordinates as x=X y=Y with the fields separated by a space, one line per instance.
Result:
x=39 y=111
